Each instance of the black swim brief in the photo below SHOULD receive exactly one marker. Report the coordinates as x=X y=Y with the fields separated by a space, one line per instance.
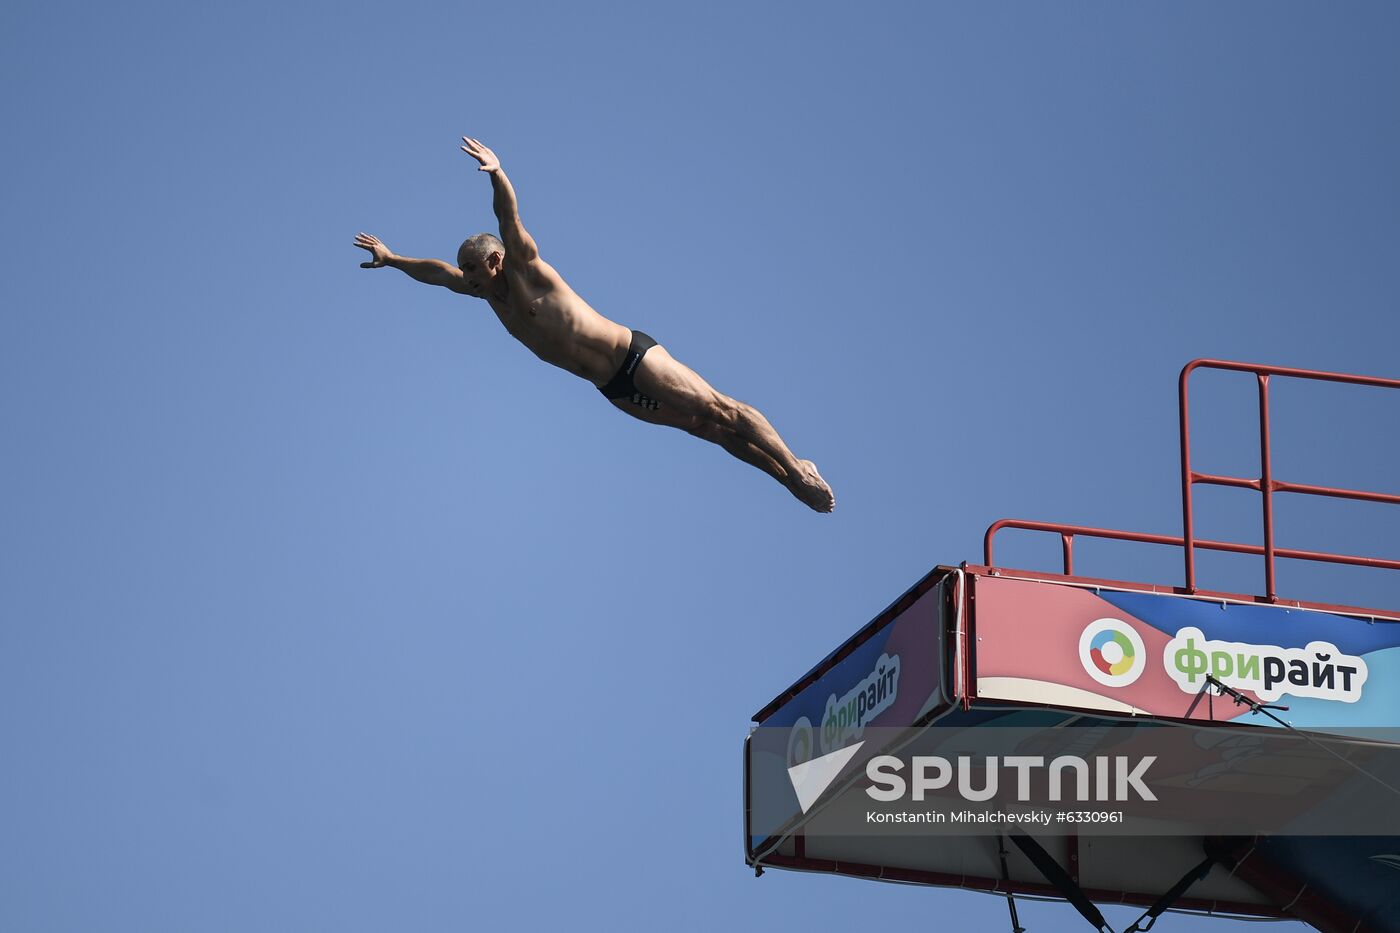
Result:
x=621 y=384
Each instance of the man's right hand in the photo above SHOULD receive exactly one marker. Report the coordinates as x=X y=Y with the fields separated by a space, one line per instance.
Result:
x=487 y=158
x=381 y=253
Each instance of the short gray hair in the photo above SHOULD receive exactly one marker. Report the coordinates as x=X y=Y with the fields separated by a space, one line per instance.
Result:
x=480 y=246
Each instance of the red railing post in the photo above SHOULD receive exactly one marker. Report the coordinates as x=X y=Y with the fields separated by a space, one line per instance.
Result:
x=1266 y=486
x=1188 y=536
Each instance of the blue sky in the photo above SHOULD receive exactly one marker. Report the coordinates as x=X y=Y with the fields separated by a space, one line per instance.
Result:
x=323 y=605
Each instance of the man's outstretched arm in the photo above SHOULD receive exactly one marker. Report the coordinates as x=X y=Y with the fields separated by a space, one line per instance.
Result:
x=519 y=244
x=431 y=271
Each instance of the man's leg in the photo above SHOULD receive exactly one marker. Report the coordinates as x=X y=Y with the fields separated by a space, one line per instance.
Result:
x=740 y=448
x=739 y=428
x=705 y=430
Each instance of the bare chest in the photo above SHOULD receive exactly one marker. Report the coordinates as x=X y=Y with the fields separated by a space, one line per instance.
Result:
x=547 y=327
x=533 y=318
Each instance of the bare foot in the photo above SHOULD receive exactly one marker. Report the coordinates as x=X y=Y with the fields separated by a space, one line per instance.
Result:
x=809 y=487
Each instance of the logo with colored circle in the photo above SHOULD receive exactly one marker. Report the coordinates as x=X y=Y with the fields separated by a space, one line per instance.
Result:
x=800 y=742
x=1112 y=652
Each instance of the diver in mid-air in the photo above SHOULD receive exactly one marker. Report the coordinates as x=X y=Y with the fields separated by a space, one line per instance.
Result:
x=632 y=371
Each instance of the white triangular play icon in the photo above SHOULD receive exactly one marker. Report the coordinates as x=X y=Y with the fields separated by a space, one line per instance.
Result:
x=813 y=777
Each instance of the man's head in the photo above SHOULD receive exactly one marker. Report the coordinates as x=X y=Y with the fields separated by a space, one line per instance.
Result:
x=481 y=258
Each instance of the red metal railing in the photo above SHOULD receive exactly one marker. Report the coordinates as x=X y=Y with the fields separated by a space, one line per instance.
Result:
x=1266 y=484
